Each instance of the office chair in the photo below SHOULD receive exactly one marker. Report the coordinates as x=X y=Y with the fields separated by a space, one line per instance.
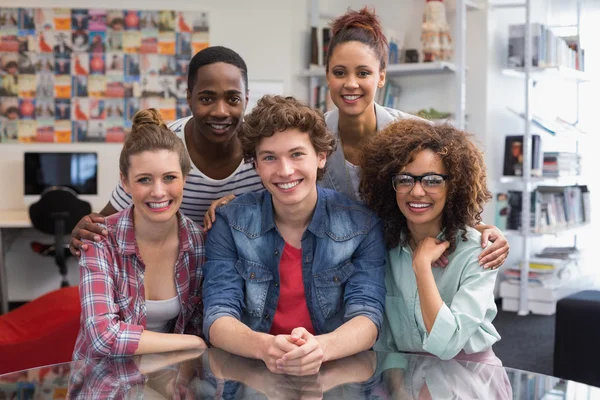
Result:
x=56 y=213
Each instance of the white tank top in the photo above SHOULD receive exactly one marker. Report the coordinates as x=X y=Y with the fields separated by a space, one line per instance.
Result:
x=159 y=314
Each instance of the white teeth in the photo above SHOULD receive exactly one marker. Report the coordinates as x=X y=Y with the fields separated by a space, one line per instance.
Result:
x=288 y=185
x=158 y=205
x=418 y=205
x=351 y=98
x=218 y=127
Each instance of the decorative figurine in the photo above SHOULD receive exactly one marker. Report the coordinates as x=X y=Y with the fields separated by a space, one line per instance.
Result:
x=435 y=36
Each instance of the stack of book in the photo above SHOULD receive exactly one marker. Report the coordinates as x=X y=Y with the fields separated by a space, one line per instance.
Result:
x=553 y=274
x=561 y=163
x=548 y=268
x=548 y=50
x=389 y=95
x=552 y=208
x=323 y=100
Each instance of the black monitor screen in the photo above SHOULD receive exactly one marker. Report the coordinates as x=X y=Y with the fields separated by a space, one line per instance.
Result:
x=78 y=171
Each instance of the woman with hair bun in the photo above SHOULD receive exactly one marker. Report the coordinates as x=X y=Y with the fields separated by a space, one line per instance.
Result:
x=140 y=285
x=428 y=184
x=355 y=66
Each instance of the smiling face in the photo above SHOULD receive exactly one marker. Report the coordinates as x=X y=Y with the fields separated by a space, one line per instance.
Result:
x=155 y=183
x=423 y=210
x=218 y=101
x=287 y=164
x=353 y=77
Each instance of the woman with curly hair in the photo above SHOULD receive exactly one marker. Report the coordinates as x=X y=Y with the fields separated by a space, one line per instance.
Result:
x=428 y=184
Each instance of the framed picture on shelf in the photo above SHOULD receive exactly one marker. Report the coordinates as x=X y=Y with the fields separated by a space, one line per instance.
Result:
x=513 y=155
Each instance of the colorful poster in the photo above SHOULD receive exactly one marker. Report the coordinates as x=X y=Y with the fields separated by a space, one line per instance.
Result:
x=69 y=75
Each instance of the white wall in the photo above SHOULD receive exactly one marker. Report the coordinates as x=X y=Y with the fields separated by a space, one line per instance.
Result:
x=271 y=36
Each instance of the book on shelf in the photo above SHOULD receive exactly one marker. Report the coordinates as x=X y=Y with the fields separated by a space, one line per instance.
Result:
x=552 y=208
x=561 y=163
x=319 y=43
x=389 y=95
x=548 y=49
x=502 y=211
x=322 y=97
x=573 y=43
x=325 y=39
x=558 y=253
x=550 y=268
x=314 y=46
x=513 y=155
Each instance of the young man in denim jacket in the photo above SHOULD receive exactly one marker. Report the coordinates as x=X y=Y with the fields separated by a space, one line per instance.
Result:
x=295 y=274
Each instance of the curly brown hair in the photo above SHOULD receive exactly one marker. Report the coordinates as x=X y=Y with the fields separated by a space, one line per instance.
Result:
x=391 y=149
x=277 y=114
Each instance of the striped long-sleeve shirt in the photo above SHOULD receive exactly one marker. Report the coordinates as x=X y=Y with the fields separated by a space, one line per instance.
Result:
x=200 y=190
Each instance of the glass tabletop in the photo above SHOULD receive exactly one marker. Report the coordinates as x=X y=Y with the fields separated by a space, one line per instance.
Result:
x=215 y=374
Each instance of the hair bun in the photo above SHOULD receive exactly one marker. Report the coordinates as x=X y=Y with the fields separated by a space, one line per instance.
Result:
x=365 y=19
x=149 y=116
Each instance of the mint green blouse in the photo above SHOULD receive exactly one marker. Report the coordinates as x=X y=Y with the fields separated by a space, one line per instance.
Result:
x=464 y=321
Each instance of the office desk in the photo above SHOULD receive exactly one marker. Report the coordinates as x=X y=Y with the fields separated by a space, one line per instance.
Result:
x=9 y=219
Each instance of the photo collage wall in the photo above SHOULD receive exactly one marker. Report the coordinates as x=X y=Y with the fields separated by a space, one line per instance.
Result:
x=79 y=75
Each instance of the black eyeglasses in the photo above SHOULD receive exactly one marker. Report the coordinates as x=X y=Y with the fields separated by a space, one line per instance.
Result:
x=431 y=183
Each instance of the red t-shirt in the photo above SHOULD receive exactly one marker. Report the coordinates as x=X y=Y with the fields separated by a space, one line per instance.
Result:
x=292 y=311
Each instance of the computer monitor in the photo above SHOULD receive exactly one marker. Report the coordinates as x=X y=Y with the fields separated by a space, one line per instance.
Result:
x=78 y=171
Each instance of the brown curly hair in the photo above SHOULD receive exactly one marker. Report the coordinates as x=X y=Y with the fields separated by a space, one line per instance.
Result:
x=277 y=114
x=391 y=149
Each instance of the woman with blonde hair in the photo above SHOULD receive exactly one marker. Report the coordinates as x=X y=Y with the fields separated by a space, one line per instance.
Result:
x=140 y=285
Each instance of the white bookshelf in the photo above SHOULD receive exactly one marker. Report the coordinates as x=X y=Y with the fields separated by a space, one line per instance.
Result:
x=523 y=297
x=569 y=229
x=545 y=180
x=395 y=70
x=471 y=5
x=549 y=73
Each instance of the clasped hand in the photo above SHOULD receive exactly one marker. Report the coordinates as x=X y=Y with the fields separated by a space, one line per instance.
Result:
x=299 y=353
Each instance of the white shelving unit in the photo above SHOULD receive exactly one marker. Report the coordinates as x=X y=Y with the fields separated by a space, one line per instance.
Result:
x=528 y=299
x=458 y=67
x=394 y=70
x=549 y=73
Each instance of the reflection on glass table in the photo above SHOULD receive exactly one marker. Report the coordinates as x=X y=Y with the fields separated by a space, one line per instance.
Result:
x=215 y=374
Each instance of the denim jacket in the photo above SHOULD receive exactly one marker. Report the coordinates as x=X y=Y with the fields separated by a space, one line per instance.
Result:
x=343 y=263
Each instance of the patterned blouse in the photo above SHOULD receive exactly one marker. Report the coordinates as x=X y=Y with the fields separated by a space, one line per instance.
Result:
x=111 y=288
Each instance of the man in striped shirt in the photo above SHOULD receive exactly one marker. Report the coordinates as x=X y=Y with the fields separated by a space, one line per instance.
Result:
x=217 y=96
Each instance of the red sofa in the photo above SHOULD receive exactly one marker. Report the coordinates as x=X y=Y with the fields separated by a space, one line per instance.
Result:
x=40 y=332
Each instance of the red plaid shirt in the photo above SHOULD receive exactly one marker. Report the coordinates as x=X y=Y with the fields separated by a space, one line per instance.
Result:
x=111 y=288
